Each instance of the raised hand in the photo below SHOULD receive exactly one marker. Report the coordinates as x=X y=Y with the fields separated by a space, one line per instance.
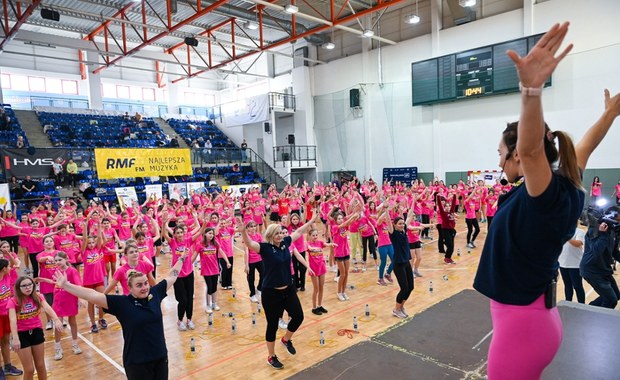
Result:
x=540 y=62
x=612 y=104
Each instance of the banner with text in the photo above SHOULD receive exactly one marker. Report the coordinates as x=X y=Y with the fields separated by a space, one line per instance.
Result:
x=177 y=191
x=126 y=196
x=37 y=163
x=131 y=163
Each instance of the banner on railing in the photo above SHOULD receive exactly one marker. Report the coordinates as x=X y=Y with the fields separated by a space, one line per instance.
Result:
x=177 y=191
x=36 y=163
x=153 y=191
x=131 y=163
x=126 y=196
x=5 y=196
x=196 y=188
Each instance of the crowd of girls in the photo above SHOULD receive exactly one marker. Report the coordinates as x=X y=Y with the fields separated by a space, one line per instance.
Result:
x=106 y=243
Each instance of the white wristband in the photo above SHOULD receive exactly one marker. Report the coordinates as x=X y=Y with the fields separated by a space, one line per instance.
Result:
x=530 y=91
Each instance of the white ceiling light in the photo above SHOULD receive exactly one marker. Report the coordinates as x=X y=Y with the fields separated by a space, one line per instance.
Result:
x=251 y=25
x=329 y=45
x=467 y=3
x=412 y=19
x=368 y=33
x=290 y=8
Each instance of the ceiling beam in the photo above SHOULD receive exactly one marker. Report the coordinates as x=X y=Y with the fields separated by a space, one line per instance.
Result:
x=20 y=21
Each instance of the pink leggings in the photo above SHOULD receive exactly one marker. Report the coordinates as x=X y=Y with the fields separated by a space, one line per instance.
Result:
x=525 y=340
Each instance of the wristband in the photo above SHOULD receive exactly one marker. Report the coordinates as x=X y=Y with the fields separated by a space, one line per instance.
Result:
x=530 y=91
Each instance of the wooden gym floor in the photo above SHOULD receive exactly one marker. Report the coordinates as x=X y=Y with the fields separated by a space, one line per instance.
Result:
x=219 y=353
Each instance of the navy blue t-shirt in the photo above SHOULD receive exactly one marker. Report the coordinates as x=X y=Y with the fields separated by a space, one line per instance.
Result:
x=402 y=254
x=142 y=323
x=276 y=263
x=520 y=255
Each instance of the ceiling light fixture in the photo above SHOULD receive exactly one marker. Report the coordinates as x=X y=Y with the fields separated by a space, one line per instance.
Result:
x=251 y=25
x=329 y=45
x=368 y=33
x=290 y=8
x=412 y=19
x=467 y=3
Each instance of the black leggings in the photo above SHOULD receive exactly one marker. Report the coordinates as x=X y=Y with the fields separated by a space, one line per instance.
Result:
x=440 y=239
x=489 y=220
x=572 y=280
x=184 y=293
x=154 y=370
x=425 y=219
x=300 y=271
x=275 y=301
x=448 y=237
x=404 y=276
x=368 y=244
x=35 y=264
x=256 y=267
x=211 y=282
x=472 y=225
x=226 y=272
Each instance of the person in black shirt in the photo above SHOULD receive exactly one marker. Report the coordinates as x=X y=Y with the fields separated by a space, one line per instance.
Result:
x=279 y=293
x=402 y=265
x=28 y=185
x=244 y=155
x=145 y=355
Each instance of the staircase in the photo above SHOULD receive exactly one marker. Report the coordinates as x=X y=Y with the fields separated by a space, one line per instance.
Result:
x=169 y=131
x=265 y=171
x=33 y=128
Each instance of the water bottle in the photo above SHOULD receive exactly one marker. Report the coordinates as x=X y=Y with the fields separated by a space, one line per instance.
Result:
x=445 y=277
x=430 y=287
x=116 y=290
x=469 y=251
x=253 y=319
x=352 y=287
x=258 y=308
x=210 y=319
x=367 y=313
x=355 y=323
x=322 y=339
x=234 y=325
x=234 y=293
x=458 y=252
x=229 y=314
x=192 y=345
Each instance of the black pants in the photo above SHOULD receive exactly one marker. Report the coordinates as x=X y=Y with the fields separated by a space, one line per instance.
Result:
x=440 y=240
x=256 y=267
x=472 y=226
x=184 y=293
x=448 y=237
x=226 y=273
x=71 y=179
x=275 y=302
x=300 y=272
x=425 y=219
x=35 y=264
x=572 y=280
x=155 y=370
x=368 y=244
x=211 y=282
x=606 y=288
x=404 y=276
x=489 y=220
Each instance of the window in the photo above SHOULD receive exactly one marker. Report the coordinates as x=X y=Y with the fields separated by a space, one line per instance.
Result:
x=5 y=80
x=108 y=90
x=36 y=84
x=148 y=94
x=122 y=92
x=70 y=87
x=190 y=97
x=135 y=93
x=53 y=85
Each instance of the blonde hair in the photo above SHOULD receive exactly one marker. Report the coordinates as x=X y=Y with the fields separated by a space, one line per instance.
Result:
x=271 y=231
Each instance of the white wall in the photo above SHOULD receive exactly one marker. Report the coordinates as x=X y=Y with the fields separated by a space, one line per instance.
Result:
x=463 y=135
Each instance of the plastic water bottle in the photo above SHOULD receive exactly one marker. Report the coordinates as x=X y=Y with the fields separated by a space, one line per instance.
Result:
x=430 y=287
x=210 y=319
x=367 y=312
x=229 y=314
x=469 y=251
x=458 y=252
x=192 y=345
x=258 y=308
x=445 y=277
x=322 y=339
x=234 y=293
x=355 y=323
x=253 y=319
x=234 y=326
x=351 y=287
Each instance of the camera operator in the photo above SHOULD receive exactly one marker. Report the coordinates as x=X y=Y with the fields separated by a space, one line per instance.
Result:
x=601 y=248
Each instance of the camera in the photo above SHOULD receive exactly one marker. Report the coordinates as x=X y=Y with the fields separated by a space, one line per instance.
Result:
x=594 y=215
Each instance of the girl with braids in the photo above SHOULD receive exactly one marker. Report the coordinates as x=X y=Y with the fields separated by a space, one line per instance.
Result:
x=517 y=274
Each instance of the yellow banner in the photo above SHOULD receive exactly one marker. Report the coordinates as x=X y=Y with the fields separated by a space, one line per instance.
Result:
x=130 y=163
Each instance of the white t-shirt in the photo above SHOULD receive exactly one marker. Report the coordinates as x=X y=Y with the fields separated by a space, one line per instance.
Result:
x=571 y=255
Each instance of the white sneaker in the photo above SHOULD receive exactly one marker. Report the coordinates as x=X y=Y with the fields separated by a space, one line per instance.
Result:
x=417 y=274
x=254 y=299
x=50 y=326
x=182 y=326
x=283 y=325
x=346 y=297
x=191 y=325
x=209 y=309
x=76 y=349
x=258 y=295
x=336 y=279
x=334 y=269
x=399 y=314
x=341 y=297
x=58 y=355
x=216 y=307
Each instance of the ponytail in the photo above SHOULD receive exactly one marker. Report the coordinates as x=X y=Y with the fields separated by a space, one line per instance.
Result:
x=567 y=165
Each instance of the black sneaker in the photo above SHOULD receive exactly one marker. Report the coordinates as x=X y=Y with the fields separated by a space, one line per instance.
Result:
x=323 y=310
x=317 y=311
x=289 y=346
x=274 y=362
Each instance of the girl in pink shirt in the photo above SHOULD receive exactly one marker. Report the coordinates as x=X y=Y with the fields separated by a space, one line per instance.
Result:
x=617 y=193
x=471 y=219
x=254 y=263
x=299 y=275
x=339 y=233
x=47 y=267
x=65 y=242
x=134 y=263
x=9 y=233
x=94 y=272
x=7 y=284
x=66 y=304
x=209 y=251
x=384 y=245
x=224 y=237
x=110 y=241
x=595 y=189
x=317 y=264
x=413 y=238
x=11 y=257
x=26 y=327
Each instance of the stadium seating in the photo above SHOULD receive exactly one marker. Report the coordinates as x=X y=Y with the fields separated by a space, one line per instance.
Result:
x=8 y=136
x=191 y=130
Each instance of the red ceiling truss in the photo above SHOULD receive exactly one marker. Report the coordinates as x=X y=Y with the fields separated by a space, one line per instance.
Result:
x=226 y=31
x=22 y=17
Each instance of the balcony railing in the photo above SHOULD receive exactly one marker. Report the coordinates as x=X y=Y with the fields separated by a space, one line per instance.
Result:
x=295 y=155
x=281 y=101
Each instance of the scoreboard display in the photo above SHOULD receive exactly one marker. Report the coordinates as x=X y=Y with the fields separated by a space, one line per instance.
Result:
x=473 y=73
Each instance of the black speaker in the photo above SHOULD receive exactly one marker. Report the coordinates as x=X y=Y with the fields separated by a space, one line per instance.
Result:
x=48 y=14
x=173 y=6
x=267 y=127
x=191 y=41
x=291 y=139
x=354 y=97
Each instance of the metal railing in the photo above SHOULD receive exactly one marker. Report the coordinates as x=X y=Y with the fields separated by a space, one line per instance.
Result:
x=45 y=101
x=282 y=101
x=295 y=155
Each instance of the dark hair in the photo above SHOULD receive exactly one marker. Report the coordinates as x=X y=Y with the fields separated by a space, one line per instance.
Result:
x=20 y=296
x=4 y=263
x=596 y=179
x=205 y=242
x=397 y=219
x=139 y=235
x=567 y=166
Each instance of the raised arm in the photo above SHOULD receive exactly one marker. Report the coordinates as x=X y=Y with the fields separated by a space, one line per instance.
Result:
x=251 y=244
x=175 y=270
x=305 y=228
x=89 y=295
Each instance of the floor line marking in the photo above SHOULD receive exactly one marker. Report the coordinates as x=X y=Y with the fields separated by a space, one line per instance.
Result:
x=482 y=340
x=102 y=354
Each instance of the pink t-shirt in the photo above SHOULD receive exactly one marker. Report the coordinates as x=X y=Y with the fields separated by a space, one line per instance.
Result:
x=94 y=266
x=108 y=239
x=470 y=209
x=259 y=211
x=9 y=231
x=383 y=235
x=209 y=265
x=299 y=244
x=124 y=229
x=28 y=315
x=65 y=303
x=121 y=273
x=413 y=236
x=225 y=240
x=177 y=248
x=365 y=226
x=67 y=245
x=339 y=237
x=618 y=191
x=596 y=189
x=147 y=248
x=47 y=268
x=35 y=238
x=254 y=256
x=6 y=293
x=315 y=256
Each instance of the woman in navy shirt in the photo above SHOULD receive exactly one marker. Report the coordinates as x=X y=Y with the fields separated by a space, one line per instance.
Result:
x=518 y=265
